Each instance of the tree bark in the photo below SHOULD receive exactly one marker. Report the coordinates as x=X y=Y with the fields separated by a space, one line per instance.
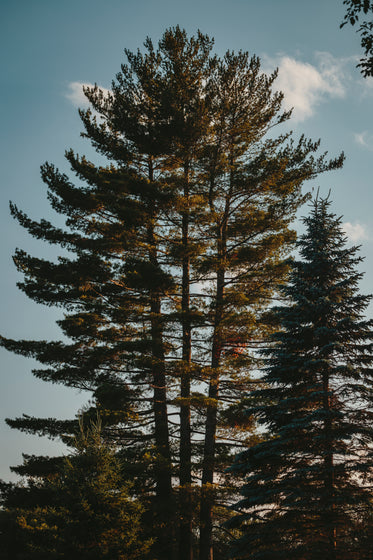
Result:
x=185 y=514
x=207 y=491
x=164 y=507
x=329 y=473
x=163 y=468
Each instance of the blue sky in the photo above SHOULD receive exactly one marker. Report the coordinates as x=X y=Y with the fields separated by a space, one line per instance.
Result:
x=50 y=48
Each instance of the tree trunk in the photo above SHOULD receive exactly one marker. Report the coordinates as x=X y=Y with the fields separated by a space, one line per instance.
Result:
x=329 y=473
x=185 y=514
x=207 y=491
x=164 y=507
x=163 y=468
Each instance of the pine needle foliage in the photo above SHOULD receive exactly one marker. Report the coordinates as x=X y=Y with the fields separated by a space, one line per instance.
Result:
x=357 y=12
x=176 y=245
x=307 y=486
x=82 y=510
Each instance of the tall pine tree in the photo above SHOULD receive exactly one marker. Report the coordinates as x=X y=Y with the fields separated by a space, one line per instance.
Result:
x=254 y=191
x=307 y=486
x=177 y=244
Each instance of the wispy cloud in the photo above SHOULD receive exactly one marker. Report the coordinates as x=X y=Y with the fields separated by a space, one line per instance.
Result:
x=366 y=87
x=355 y=232
x=76 y=94
x=305 y=86
x=364 y=139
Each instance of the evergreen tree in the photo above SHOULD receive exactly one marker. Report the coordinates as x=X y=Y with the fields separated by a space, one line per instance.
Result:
x=365 y=29
x=307 y=486
x=82 y=510
x=254 y=191
x=178 y=243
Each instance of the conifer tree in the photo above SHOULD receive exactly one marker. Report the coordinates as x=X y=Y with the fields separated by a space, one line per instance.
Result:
x=307 y=486
x=82 y=510
x=355 y=11
x=179 y=243
x=254 y=192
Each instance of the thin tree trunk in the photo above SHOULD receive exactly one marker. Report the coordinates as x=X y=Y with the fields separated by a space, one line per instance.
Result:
x=185 y=543
x=164 y=498
x=329 y=473
x=207 y=491
x=164 y=547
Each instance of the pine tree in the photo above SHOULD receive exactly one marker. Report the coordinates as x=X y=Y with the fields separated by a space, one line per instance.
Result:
x=307 y=485
x=354 y=10
x=254 y=191
x=179 y=243
x=119 y=287
x=82 y=510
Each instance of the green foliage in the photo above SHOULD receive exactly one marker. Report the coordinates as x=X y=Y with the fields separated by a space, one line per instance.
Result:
x=307 y=485
x=175 y=247
x=83 y=510
x=365 y=29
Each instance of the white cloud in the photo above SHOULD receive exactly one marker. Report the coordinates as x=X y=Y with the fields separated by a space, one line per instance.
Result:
x=305 y=85
x=355 y=232
x=76 y=94
x=334 y=72
x=366 y=87
x=364 y=139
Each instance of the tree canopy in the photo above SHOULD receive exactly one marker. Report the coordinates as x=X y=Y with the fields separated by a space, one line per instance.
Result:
x=307 y=491
x=355 y=8
x=83 y=509
x=177 y=246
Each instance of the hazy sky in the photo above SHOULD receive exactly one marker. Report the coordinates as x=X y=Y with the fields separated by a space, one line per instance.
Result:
x=50 y=48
